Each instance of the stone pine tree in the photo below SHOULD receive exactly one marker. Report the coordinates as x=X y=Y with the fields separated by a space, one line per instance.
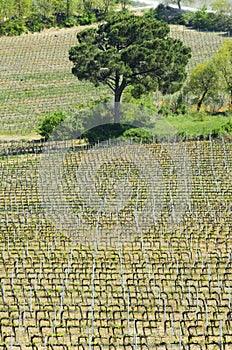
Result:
x=129 y=50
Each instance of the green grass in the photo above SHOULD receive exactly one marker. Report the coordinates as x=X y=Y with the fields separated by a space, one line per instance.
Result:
x=198 y=124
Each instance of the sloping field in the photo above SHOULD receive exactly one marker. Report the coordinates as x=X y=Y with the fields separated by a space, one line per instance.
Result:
x=167 y=287
x=203 y=44
x=35 y=75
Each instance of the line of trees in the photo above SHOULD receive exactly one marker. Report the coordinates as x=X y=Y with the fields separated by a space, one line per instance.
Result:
x=19 y=16
x=24 y=8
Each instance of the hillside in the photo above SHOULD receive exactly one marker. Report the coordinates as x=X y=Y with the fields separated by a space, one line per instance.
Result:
x=35 y=75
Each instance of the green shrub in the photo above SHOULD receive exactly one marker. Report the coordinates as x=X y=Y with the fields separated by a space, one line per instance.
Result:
x=165 y=110
x=105 y=132
x=62 y=20
x=11 y=27
x=138 y=135
x=37 y=22
x=87 y=18
x=70 y=21
x=50 y=122
x=228 y=127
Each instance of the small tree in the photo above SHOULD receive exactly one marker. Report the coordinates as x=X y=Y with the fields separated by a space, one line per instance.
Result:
x=50 y=122
x=203 y=82
x=129 y=50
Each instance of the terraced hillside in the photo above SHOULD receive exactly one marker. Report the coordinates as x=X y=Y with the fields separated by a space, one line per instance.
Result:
x=166 y=287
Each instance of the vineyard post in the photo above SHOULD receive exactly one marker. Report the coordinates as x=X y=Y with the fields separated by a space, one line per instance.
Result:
x=128 y=311
x=180 y=338
x=165 y=315
x=209 y=276
x=229 y=297
x=135 y=345
x=121 y=273
x=224 y=152
x=207 y=316
x=61 y=300
x=19 y=329
x=221 y=334
x=212 y=163
x=3 y=291
x=30 y=298
x=11 y=340
x=173 y=328
x=45 y=342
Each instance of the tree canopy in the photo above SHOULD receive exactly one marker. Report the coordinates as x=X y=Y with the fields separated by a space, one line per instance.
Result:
x=203 y=82
x=223 y=61
x=129 y=50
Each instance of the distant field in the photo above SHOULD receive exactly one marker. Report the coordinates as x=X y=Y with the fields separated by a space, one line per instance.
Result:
x=35 y=75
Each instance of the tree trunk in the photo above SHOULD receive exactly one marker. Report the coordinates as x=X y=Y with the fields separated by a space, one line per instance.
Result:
x=117 y=99
x=199 y=104
x=123 y=5
x=116 y=110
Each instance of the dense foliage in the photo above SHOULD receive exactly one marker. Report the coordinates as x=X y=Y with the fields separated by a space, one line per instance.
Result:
x=50 y=123
x=21 y=16
x=129 y=50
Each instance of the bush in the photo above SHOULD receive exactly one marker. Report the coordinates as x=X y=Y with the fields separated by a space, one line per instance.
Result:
x=51 y=121
x=138 y=135
x=63 y=20
x=228 y=127
x=13 y=26
x=87 y=18
x=37 y=22
x=105 y=132
x=165 y=110
x=70 y=21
